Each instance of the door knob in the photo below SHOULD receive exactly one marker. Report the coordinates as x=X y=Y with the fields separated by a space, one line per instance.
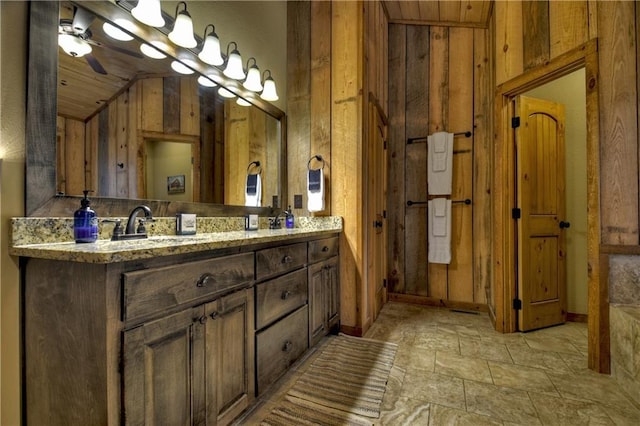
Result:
x=564 y=224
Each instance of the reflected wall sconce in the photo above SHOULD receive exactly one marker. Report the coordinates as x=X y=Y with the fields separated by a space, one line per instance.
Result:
x=115 y=32
x=225 y=93
x=153 y=49
x=210 y=53
x=269 y=93
x=206 y=81
x=234 y=63
x=253 y=82
x=182 y=33
x=181 y=68
x=73 y=45
x=149 y=13
x=243 y=102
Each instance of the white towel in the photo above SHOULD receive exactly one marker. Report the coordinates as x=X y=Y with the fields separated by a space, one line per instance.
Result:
x=439 y=228
x=315 y=190
x=440 y=163
x=253 y=191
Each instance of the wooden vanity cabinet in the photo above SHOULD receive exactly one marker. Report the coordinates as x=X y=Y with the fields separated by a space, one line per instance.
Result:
x=178 y=339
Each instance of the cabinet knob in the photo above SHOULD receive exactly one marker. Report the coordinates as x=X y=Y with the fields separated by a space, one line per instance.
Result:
x=285 y=295
x=202 y=319
x=325 y=249
x=287 y=346
x=287 y=259
x=204 y=280
x=214 y=315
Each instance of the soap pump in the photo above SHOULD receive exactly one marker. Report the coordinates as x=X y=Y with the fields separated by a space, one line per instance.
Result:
x=85 y=222
x=289 y=219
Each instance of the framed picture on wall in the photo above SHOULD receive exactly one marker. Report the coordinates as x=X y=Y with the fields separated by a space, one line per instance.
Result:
x=175 y=184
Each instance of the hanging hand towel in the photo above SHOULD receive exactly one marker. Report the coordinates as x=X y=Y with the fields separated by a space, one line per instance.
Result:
x=253 y=191
x=440 y=163
x=439 y=228
x=315 y=190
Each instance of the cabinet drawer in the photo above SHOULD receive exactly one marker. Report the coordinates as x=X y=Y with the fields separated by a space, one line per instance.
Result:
x=280 y=345
x=323 y=249
x=278 y=260
x=280 y=296
x=155 y=290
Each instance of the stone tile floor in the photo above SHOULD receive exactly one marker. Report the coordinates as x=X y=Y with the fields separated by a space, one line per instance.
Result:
x=453 y=368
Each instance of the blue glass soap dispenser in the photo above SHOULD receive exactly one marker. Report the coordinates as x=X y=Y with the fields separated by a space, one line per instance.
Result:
x=289 y=219
x=85 y=222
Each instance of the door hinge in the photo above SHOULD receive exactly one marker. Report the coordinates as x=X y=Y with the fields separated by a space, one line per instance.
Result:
x=384 y=214
x=384 y=283
x=515 y=122
x=516 y=213
x=384 y=145
x=517 y=304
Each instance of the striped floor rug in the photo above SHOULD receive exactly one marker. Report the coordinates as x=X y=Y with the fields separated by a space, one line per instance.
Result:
x=344 y=384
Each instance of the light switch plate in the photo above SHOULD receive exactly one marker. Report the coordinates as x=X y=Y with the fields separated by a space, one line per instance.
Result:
x=297 y=201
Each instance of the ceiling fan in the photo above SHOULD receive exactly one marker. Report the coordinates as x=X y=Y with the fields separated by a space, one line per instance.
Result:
x=74 y=36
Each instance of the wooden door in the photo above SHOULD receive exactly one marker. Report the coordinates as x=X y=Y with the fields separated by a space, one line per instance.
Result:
x=376 y=211
x=163 y=375
x=229 y=357
x=540 y=183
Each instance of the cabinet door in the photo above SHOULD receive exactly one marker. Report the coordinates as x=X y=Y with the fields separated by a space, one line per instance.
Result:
x=333 y=292
x=317 y=303
x=163 y=370
x=229 y=357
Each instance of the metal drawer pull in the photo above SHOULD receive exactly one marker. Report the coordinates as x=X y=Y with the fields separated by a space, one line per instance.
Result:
x=325 y=249
x=214 y=315
x=287 y=259
x=202 y=319
x=203 y=281
x=287 y=346
x=285 y=295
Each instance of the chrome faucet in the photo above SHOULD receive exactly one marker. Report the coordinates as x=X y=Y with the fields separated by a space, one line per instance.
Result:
x=131 y=222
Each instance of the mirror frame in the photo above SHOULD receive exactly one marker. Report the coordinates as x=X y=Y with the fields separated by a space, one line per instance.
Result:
x=40 y=131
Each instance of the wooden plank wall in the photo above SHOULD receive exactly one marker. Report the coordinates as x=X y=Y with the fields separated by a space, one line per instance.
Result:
x=336 y=54
x=561 y=26
x=439 y=80
x=249 y=130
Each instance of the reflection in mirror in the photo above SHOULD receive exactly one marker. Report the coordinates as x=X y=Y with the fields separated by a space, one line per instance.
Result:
x=128 y=125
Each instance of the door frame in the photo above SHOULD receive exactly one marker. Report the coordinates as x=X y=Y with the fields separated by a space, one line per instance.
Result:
x=584 y=56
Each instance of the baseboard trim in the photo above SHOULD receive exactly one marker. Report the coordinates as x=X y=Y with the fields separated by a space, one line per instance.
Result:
x=430 y=301
x=571 y=317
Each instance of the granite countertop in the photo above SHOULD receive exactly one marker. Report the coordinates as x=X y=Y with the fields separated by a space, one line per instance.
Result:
x=107 y=251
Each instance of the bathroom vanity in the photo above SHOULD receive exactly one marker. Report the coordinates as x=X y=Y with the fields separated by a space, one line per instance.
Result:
x=173 y=329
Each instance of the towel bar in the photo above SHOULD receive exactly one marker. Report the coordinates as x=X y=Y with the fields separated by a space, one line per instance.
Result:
x=466 y=201
x=424 y=138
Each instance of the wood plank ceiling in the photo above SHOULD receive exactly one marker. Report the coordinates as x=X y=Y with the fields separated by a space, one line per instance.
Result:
x=463 y=13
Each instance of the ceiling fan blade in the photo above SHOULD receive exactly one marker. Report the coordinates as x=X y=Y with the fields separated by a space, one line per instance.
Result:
x=95 y=64
x=82 y=19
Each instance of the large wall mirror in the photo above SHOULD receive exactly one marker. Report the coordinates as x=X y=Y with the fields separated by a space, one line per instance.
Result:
x=131 y=128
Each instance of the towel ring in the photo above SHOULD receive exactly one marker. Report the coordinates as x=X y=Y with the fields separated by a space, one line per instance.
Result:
x=256 y=164
x=317 y=157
